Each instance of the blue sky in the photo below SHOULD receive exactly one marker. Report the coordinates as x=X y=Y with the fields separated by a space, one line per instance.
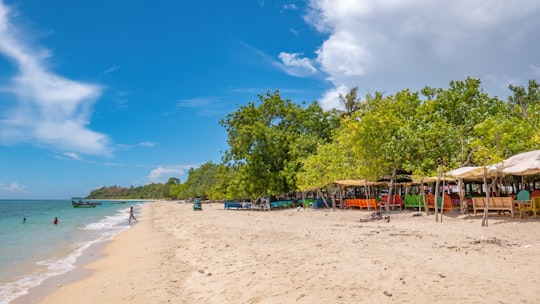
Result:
x=101 y=93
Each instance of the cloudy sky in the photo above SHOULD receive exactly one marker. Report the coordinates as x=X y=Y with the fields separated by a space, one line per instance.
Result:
x=126 y=93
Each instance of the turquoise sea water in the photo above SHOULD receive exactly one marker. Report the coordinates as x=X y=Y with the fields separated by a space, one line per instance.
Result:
x=36 y=249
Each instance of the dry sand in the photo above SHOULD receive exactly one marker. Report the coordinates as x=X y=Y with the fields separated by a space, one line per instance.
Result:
x=177 y=255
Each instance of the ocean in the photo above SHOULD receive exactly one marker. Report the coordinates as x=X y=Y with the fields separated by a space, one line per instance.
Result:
x=33 y=248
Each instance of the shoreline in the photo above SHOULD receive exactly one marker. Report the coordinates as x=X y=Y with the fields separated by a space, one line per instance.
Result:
x=80 y=271
x=38 y=293
x=177 y=255
x=124 y=253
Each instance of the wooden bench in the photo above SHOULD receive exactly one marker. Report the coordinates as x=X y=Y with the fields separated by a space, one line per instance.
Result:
x=395 y=202
x=495 y=204
x=281 y=204
x=362 y=203
x=353 y=202
x=413 y=201
x=446 y=202
x=231 y=204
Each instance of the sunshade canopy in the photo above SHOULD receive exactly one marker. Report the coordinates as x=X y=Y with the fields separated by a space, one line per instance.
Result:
x=468 y=172
x=526 y=163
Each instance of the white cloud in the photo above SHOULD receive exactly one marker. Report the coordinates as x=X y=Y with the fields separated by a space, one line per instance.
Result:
x=297 y=65
x=329 y=100
x=290 y=7
x=72 y=155
x=13 y=187
x=389 y=45
x=147 y=144
x=50 y=110
x=206 y=106
x=198 y=102
x=162 y=173
x=112 y=69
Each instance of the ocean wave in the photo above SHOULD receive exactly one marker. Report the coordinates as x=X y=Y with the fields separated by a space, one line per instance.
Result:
x=107 y=228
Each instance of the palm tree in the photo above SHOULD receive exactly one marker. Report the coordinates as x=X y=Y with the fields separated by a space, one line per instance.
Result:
x=350 y=101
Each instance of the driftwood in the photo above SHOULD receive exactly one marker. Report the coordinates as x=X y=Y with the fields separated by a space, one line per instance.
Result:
x=374 y=216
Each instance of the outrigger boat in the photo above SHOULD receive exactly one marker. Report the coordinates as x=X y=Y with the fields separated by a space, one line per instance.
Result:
x=81 y=204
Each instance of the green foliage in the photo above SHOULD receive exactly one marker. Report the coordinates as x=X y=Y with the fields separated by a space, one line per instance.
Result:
x=378 y=136
x=229 y=184
x=267 y=142
x=150 y=191
x=276 y=146
x=331 y=162
x=460 y=108
x=200 y=182
x=526 y=104
x=453 y=127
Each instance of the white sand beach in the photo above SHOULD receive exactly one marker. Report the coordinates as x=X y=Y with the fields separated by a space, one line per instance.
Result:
x=177 y=255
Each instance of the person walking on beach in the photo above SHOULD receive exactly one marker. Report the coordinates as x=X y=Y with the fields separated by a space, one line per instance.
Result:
x=131 y=215
x=55 y=221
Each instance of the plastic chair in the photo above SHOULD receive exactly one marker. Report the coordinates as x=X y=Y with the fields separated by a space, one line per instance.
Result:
x=523 y=201
x=535 y=206
x=535 y=193
x=523 y=195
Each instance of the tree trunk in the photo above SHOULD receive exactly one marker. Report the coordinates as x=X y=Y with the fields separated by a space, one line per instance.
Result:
x=485 y=215
x=390 y=190
x=488 y=195
x=323 y=198
x=341 y=196
x=462 y=202
x=436 y=199
x=423 y=197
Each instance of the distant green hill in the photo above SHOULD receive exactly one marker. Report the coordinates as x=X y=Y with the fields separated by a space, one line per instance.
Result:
x=151 y=191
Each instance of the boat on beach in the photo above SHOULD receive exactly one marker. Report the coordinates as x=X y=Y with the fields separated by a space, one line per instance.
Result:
x=81 y=204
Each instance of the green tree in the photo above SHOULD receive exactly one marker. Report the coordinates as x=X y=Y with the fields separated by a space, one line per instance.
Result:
x=449 y=118
x=332 y=162
x=526 y=104
x=378 y=135
x=200 y=181
x=268 y=141
x=460 y=108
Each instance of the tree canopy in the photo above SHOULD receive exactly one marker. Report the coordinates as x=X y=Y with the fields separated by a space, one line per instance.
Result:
x=276 y=146
x=268 y=141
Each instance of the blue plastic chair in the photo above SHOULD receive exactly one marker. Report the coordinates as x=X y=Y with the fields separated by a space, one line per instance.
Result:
x=523 y=198
x=523 y=195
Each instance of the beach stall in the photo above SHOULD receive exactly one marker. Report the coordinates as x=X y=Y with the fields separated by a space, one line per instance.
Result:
x=523 y=164
x=367 y=202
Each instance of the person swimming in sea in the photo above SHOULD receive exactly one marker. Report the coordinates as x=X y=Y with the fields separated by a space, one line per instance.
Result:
x=55 y=221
